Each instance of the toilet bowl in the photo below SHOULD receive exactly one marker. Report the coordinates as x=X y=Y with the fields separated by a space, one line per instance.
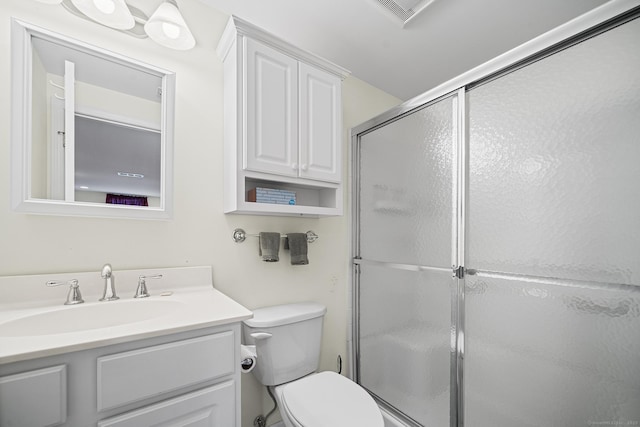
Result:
x=327 y=399
x=287 y=340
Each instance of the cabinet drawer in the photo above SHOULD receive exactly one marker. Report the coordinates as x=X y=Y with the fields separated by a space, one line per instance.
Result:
x=127 y=377
x=210 y=407
x=34 y=398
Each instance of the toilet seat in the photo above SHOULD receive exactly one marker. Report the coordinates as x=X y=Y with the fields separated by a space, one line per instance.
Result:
x=328 y=399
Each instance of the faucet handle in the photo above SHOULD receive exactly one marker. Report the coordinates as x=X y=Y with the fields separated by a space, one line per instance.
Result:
x=74 y=296
x=106 y=271
x=142 y=292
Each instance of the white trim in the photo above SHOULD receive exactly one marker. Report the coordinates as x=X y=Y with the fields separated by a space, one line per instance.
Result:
x=21 y=54
x=79 y=45
x=69 y=131
x=21 y=199
x=239 y=27
x=55 y=150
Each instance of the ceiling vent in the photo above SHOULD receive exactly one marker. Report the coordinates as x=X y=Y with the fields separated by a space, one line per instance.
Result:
x=406 y=10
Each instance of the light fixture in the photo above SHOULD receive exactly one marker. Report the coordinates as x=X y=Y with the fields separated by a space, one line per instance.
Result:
x=168 y=28
x=112 y=13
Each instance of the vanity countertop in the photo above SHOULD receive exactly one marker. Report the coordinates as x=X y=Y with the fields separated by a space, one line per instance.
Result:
x=31 y=328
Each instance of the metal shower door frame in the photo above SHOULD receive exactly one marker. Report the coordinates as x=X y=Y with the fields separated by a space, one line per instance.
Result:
x=586 y=26
x=457 y=248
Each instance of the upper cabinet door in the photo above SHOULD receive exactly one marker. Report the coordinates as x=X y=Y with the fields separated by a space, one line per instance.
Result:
x=271 y=138
x=320 y=124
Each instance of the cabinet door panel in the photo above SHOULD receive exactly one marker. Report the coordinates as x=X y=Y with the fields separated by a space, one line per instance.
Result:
x=271 y=82
x=210 y=407
x=320 y=124
x=44 y=388
x=131 y=376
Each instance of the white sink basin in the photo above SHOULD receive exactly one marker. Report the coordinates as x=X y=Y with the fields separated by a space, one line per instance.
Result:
x=85 y=317
x=183 y=301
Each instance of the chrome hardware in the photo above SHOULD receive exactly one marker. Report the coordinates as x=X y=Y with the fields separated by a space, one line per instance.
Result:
x=311 y=236
x=142 y=292
x=246 y=363
x=258 y=336
x=109 y=293
x=74 y=296
x=260 y=421
x=239 y=235
x=458 y=272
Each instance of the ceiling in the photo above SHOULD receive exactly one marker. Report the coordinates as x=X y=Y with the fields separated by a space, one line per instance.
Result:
x=446 y=39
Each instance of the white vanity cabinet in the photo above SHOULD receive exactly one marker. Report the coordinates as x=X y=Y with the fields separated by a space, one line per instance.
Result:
x=212 y=407
x=19 y=392
x=283 y=124
x=186 y=379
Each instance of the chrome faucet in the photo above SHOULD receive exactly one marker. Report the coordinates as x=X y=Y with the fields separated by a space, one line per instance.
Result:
x=109 y=284
x=74 y=296
x=142 y=291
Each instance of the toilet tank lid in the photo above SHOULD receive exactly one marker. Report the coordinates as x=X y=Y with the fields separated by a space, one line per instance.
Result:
x=278 y=315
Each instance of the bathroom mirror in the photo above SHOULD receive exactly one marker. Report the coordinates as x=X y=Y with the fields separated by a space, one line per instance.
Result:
x=92 y=130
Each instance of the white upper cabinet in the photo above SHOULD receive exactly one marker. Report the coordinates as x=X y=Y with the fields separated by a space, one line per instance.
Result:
x=271 y=144
x=320 y=109
x=283 y=124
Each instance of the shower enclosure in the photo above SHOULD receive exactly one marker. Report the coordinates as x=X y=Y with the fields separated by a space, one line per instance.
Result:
x=496 y=243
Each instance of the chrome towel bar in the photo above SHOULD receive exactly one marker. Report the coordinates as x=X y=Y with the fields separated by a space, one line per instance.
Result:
x=239 y=235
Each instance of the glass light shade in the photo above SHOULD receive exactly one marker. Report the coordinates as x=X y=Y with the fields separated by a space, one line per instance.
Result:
x=112 y=13
x=168 y=28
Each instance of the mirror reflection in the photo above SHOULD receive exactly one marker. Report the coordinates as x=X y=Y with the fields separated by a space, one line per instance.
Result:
x=98 y=131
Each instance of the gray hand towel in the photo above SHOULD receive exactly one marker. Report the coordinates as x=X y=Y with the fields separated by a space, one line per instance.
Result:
x=269 y=246
x=297 y=243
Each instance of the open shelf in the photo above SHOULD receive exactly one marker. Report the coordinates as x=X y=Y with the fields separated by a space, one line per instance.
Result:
x=311 y=200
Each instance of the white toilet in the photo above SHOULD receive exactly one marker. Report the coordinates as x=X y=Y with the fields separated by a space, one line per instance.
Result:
x=287 y=339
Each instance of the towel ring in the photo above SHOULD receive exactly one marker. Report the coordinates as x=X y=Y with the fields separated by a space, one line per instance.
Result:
x=239 y=236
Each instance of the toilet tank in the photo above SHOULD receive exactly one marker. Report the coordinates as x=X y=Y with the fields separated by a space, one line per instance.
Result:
x=287 y=339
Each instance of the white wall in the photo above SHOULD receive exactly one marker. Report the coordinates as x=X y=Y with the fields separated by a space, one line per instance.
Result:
x=199 y=234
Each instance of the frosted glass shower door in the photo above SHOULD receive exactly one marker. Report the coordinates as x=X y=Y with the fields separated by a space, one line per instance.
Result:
x=405 y=215
x=552 y=302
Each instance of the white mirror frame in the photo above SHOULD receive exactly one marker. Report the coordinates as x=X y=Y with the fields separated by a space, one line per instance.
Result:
x=21 y=121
